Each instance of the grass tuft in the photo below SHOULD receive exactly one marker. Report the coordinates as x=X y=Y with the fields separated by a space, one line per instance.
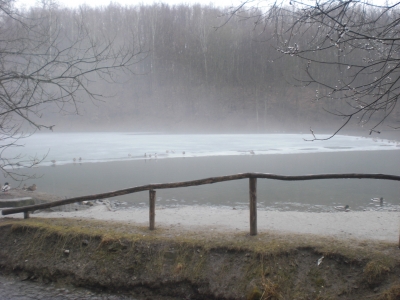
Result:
x=393 y=293
x=375 y=270
x=271 y=290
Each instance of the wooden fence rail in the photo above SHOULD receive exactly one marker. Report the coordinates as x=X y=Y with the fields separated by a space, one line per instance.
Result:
x=152 y=193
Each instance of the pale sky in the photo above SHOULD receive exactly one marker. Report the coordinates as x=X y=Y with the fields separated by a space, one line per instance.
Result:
x=77 y=3
x=219 y=3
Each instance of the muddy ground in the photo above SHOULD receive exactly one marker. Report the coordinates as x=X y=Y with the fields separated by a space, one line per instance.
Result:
x=201 y=265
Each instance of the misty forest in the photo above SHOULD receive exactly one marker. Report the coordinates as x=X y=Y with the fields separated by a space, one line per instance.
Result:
x=196 y=68
x=140 y=143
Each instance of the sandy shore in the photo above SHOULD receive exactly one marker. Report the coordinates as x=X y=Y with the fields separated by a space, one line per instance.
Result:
x=371 y=225
x=383 y=226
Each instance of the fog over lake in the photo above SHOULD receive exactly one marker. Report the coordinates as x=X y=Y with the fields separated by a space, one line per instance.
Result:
x=111 y=161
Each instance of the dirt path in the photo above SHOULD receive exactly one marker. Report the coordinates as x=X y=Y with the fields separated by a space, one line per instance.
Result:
x=373 y=225
x=366 y=225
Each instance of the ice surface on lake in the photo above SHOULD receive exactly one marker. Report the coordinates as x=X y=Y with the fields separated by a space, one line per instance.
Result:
x=117 y=146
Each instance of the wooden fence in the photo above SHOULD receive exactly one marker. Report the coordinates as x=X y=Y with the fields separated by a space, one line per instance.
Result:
x=152 y=193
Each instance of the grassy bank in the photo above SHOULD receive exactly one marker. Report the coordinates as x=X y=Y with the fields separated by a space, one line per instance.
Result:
x=198 y=265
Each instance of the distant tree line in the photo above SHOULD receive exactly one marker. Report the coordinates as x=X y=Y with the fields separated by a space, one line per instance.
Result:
x=205 y=67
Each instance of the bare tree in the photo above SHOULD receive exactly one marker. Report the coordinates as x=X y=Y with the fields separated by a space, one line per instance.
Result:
x=46 y=63
x=350 y=51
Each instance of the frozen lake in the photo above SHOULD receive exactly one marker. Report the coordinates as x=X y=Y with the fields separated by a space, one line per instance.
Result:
x=117 y=146
x=112 y=161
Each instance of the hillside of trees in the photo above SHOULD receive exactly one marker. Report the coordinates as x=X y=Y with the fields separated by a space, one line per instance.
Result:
x=198 y=69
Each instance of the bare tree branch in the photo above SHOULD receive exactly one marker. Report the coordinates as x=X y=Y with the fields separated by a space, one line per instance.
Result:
x=42 y=64
x=355 y=43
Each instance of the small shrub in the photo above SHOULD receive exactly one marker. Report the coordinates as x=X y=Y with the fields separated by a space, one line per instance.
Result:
x=391 y=294
x=375 y=271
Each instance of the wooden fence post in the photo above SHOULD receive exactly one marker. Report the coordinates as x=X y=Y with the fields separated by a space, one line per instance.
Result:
x=26 y=214
x=152 y=208
x=253 y=205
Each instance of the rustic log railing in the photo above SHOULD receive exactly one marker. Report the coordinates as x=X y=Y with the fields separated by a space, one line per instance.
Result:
x=152 y=193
